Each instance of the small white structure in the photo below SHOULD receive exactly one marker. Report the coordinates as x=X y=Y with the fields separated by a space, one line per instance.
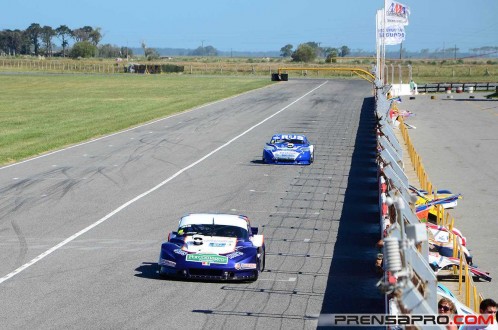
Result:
x=400 y=89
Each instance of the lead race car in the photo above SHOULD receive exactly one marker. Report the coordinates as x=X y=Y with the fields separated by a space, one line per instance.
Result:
x=213 y=247
x=288 y=149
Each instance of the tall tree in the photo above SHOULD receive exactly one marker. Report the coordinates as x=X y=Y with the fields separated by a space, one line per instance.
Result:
x=144 y=46
x=345 y=51
x=204 y=51
x=95 y=36
x=33 y=32
x=109 y=51
x=82 y=34
x=83 y=49
x=126 y=52
x=286 y=51
x=46 y=34
x=316 y=47
x=151 y=54
x=330 y=50
x=64 y=33
x=304 y=53
x=331 y=55
x=13 y=42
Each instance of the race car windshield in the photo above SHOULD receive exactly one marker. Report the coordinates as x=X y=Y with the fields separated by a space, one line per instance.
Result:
x=214 y=230
x=287 y=140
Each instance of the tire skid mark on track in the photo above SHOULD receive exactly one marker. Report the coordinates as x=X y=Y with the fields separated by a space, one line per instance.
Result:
x=137 y=198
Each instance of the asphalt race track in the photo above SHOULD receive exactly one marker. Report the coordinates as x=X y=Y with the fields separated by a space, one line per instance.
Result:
x=81 y=229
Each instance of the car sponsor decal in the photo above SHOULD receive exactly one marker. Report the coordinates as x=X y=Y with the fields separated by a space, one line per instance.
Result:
x=234 y=254
x=165 y=262
x=207 y=259
x=217 y=244
x=285 y=154
x=245 y=266
x=180 y=252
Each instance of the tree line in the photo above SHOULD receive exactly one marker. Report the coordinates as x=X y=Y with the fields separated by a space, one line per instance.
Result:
x=39 y=40
x=309 y=51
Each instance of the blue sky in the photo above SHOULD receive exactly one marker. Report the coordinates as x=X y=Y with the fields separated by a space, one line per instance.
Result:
x=261 y=25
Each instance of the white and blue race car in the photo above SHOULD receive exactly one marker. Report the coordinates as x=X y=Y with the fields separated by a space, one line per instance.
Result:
x=288 y=149
x=213 y=247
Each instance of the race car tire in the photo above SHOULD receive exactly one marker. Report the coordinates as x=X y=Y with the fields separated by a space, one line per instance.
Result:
x=161 y=275
x=262 y=258
x=261 y=264
x=312 y=157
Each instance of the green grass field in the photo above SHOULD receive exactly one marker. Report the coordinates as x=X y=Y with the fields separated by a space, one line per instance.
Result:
x=421 y=70
x=43 y=112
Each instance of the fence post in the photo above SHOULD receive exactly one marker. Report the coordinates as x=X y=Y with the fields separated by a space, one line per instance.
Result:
x=467 y=285
x=476 y=305
x=460 y=272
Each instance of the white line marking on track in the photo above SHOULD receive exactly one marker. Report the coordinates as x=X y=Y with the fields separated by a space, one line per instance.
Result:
x=292 y=279
x=267 y=191
x=125 y=205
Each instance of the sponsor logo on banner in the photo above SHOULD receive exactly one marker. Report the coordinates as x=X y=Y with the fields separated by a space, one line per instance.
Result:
x=396 y=13
x=207 y=259
x=393 y=35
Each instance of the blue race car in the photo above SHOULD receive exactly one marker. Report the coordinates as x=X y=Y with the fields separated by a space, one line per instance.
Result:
x=213 y=247
x=288 y=149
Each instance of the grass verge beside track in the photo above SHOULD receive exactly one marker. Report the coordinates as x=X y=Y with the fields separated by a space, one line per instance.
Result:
x=39 y=113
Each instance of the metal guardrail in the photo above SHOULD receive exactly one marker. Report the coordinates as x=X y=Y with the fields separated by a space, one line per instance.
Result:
x=443 y=87
x=364 y=74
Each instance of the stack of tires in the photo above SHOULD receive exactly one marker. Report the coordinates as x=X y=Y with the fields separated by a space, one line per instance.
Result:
x=279 y=77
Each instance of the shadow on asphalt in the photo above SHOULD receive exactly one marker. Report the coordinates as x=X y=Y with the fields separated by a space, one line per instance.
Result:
x=148 y=270
x=351 y=286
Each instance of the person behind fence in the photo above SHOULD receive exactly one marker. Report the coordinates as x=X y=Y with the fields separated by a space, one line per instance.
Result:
x=446 y=307
x=413 y=87
x=487 y=307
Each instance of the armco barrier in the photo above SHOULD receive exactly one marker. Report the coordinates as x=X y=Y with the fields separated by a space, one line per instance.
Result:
x=444 y=87
x=412 y=287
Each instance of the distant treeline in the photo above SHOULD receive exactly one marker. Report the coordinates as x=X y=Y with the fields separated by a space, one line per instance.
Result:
x=483 y=52
x=86 y=42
